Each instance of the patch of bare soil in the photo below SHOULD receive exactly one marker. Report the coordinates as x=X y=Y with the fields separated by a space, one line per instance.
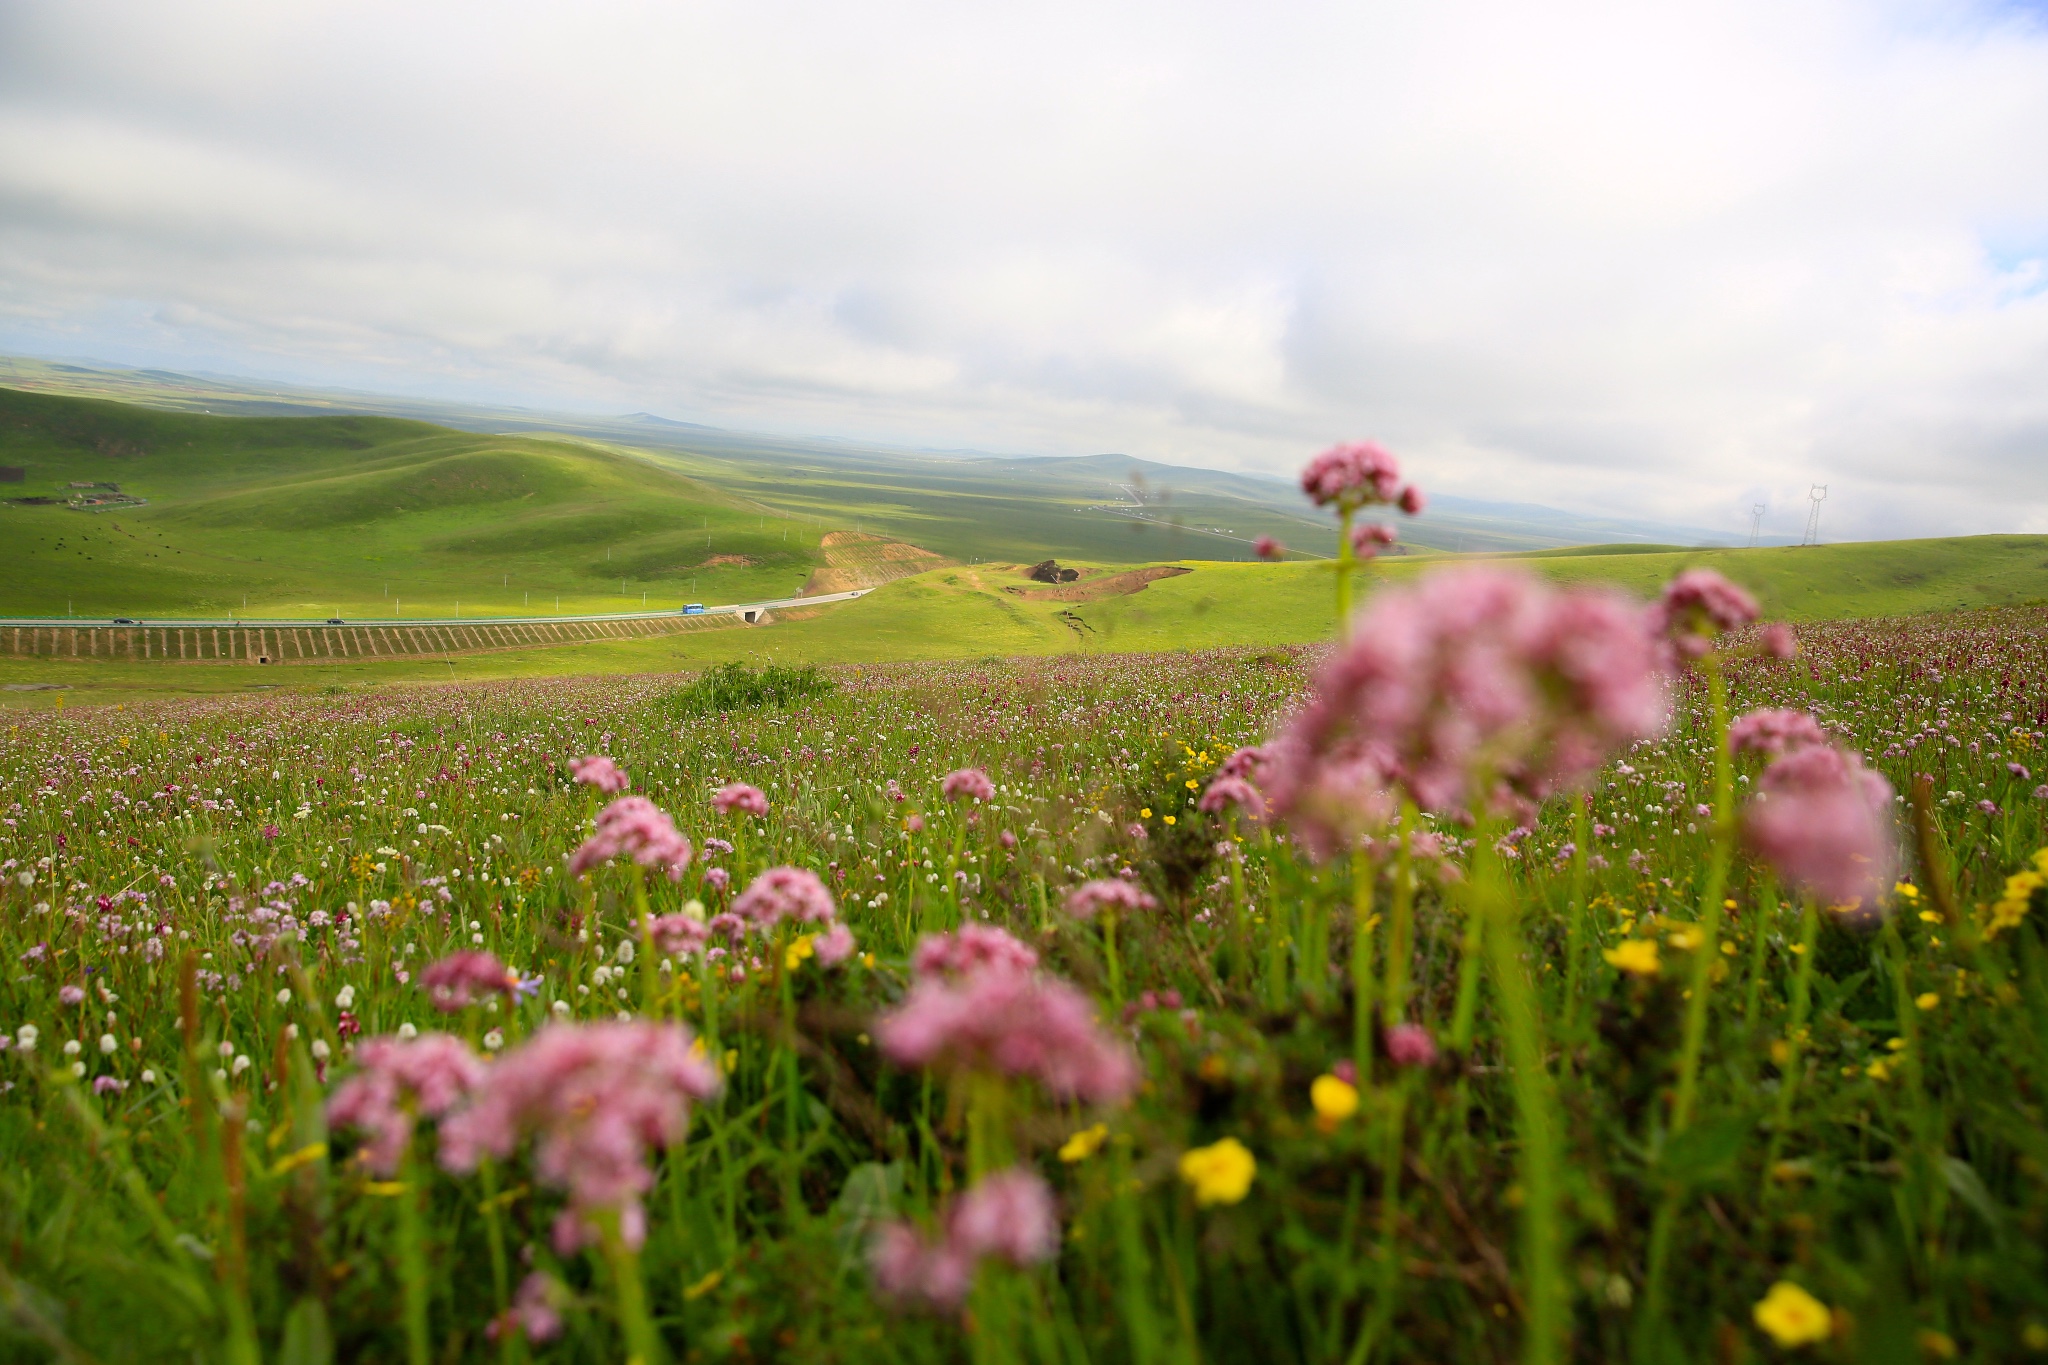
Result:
x=857 y=560
x=1109 y=585
x=736 y=561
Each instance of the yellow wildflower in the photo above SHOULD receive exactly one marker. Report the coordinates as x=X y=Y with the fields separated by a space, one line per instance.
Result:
x=802 y=947
x=1221 y=1173
x=1636 y=955
x=1906 y=891
x=1335 y=1100
x=1172 y=820
x=1938 y=1345
x=1146 y=813
x=1683 y=937
x=1930 y=917
x=1792 y=1316
x=2019 y=895
x=1084 y=1144
x=1879 y=1070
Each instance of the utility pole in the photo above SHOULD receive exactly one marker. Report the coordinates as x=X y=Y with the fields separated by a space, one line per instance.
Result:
x=1756 y=523
x=1815 y=497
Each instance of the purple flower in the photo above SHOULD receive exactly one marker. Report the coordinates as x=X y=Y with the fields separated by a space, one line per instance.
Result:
x=1265 y=547
x=1350 y=475
x=399 y=1078
x=600 y=772
x=678 y=934
x=535 y=1311
x=970 y=948
x=1774 y=732
x=1011 y=1022
x=1410 y=1045
x=1008 y=1215
x=792 y=892
x=70 y=995
x=1090 y=898
x=457 y=980
x=933 y=1275
x=1225 y=792
x=834 y=946
x=1698 y=606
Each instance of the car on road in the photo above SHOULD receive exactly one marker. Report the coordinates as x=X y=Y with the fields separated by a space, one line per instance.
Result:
x=694 y=609
x=334 y=621
x=126 y=621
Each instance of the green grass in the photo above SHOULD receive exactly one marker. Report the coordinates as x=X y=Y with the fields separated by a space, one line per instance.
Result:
x=364 y=517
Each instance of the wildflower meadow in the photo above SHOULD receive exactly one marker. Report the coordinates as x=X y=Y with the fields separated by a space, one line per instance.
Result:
x=1530 y=974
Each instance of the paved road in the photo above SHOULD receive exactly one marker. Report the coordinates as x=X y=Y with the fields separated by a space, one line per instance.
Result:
x=316 y=623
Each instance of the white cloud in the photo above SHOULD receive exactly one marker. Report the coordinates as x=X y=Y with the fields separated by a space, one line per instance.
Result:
x=1668 y=260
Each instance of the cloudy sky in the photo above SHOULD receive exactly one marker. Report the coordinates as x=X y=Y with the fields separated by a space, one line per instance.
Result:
x=1661 y=259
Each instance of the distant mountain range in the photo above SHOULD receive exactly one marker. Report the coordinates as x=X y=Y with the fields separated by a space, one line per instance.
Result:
x=1205 y=513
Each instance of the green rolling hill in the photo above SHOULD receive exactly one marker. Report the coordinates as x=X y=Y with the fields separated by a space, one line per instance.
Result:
x=362 y=516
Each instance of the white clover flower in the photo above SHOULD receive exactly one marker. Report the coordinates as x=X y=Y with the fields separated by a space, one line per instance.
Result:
x=345 y=998
x=25 y=1037
x=284 y=997
x=407 y=1031
x=242 y=1063
x=227 y=1049
x=78 y=1068
x=625 y=951
x=494 y=1040
x=71 y=1047
x=560 y=1009
x=109 y=1045
x=320 y=1050
x=148 y=1076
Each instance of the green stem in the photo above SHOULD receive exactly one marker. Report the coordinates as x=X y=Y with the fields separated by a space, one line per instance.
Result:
x=1345 y=562
x=501 y=1278
x=1401 y=920
x=1116 y=975
x=643 y=1341
x=1795 y=1039
x=412 y=1261
x=1762 y=920
x=1707 y=950
x=1575 y=943
x=1362 y=876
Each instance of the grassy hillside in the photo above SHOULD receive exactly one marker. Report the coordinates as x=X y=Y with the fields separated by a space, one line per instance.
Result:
x=362 y=516
x=966 y=612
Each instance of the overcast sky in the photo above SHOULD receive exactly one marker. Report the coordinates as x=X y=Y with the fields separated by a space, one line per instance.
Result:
x=1661 y=259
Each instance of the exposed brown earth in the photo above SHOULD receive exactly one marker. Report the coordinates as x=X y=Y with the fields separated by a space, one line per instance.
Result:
x=856 y=560
x=1094 y=589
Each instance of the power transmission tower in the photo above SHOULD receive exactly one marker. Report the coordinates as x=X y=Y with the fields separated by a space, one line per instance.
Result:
x=1756 y=523
x=1814 y=497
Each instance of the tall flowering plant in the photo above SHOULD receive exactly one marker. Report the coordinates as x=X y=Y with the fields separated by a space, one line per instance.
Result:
x=1350 y=477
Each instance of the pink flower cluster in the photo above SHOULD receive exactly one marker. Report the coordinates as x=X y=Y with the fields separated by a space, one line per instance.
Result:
x=785 y=893
x=595 y=1098
x=677 y=934
x=460 y=978
x=971 y=782
x=1355 y=473
x=1091 y=898
x=1007 y=1216
x=1225 y=792
x=1773 y=731
x=740 y=797
x=980 y=1006
x=970 y=948
x=396 y=1080
x=1367 y=539
x=1697 y=607
x=636 y=827
x=600 y=772
x=1470 y=675
x=1825 y=822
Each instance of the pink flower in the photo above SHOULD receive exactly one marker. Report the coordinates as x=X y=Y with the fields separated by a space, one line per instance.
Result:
x=636 y=827
x=457 y=980
x=741 y=797
x=678 y=934
x=600 y=772
x=1698 y=606
x=970 y=948
x=1265 y=547
x=1008 y=1215
x=1411 y=501
x=1089 y=898
x=913 y=1271
x=1411 y=1045
x=717 y=878
x=1469 y=673
x=1013 y=1022
x=1774 y=732
x=967 y=782
x=1824 y=821
x=70 y=995
x=1226 y=792
x=1367 y=539
x=1779 y=642
x=535 y=1311
x=595 y=1098
x=794 y=892
x=435 y=1071
x=108 y=1085
x=1244 y=762
x=1350 y=475
x=834 y=946
x=1008 y=841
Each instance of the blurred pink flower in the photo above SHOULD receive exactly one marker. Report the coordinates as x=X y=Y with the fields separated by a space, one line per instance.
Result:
x=1368 y=537
x=913 y=1271
x=1470 y=672
x=1225 y=792
x=1698 y=606
x=834 y=946
x=678 y=934
x=967 y=782
x=600 y=772
x=595 y=1098
x=70 y=995
x=434 y=1071
x=780 y=892
x=970 y=948
x=1243 y=763
x=1411 y=501
x=1007 y=840
x=717 y=878
x=1009 y=1215
x=636 y=827
x=1013 y=1022
x=1771 y=731
x=460 y=978
x=535 y=1311
x=1411 y=1045
x=741 y=797
x=1090 y=898
x=1825 y=822
x=1779 y=642
x=1265 y=547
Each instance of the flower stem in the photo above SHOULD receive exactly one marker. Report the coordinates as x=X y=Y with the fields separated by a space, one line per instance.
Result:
x=1795 y=1034
x=643 y=1342
x=1116 y=975
x=1401 y=921
x=412 y=1261
x=1363 y=873
x=1345 y=513
x=1706 y=952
